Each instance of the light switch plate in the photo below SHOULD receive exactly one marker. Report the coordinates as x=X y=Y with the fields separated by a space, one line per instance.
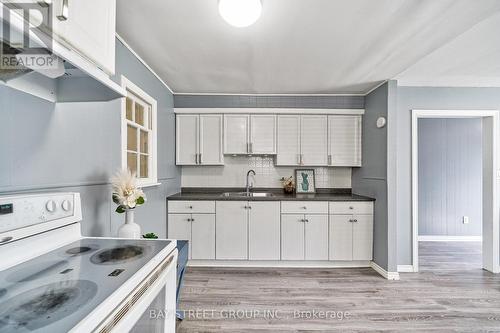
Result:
x=465 y=220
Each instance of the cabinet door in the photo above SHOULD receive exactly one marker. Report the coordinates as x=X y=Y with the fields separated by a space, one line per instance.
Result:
x=236 y=134
x=292 y=237
x=231 y=230
x=89 y=28
x=263 y=134
x=344 y=140
x=288 y=142
x=362 y=237
x=316 y=237
x=203 y=236
x=186 y=142
x=341 y=237
x=179 y=227
x=314 y=140
x=211 y=139
x=264 y=231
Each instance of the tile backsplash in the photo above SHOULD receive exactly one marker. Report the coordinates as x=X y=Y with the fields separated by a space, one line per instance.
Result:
x=233 y=174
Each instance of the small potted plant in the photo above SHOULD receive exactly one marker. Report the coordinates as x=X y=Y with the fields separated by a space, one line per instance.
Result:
x=150 y=235
x=288 y=184
x=127 y=195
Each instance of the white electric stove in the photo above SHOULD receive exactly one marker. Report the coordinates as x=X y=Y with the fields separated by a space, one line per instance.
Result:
x=54 y=280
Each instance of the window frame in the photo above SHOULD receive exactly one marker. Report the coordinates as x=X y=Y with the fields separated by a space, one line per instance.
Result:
x=133 y=89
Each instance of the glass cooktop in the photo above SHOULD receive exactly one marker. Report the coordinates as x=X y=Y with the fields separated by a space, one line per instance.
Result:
x=55 y=291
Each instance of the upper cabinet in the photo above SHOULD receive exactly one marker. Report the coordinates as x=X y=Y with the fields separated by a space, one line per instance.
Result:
x=296 y=137
x=344 y=141
x=249 y=134
x=302 y=140
x=89 y=27
x=199 y=140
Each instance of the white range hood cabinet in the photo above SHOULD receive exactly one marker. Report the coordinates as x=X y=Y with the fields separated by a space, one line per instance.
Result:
x=82 y=81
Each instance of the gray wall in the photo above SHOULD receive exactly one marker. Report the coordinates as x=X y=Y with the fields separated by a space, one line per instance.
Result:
x=242 y=101
x=450 y=176
x=76 y=147
x=409 y=98
x=371 y=179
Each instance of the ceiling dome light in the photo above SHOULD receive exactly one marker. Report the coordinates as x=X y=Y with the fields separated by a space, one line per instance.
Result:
x=240 y=13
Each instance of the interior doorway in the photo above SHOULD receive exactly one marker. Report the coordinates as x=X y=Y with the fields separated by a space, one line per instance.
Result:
x=444 y=219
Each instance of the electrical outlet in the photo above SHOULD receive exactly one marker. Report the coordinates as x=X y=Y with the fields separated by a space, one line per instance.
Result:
x=465 y=219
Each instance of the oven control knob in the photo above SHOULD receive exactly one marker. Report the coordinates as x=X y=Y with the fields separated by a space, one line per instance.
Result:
x=50 y=206
x=66 y=205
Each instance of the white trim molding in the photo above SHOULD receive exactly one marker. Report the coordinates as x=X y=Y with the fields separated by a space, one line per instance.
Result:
x=439 y=238
x=405 y=269
x=384 y=273
x=268 y=111
x=279 y=263
x=491 y=173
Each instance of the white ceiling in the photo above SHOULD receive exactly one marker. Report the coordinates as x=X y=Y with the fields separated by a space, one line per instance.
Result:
x=316 y=46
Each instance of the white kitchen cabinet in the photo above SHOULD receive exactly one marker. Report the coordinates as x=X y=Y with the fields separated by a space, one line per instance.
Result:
x=292 y=237
x=249 y=134
x=288 y=142
x=198 y=229
x=304 y=237
x=264 y=230
x=351 y=237
x=344 y=141
x=316 y=237
x=199 y=139
x=89 y=27
x=231 y=230
x=314 y=140
x=262 y=134
x=302 y=140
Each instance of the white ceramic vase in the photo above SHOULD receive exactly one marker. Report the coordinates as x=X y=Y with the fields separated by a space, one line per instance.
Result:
x=130 y=229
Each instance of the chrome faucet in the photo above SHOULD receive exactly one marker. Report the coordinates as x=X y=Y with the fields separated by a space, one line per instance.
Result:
x=248 y=181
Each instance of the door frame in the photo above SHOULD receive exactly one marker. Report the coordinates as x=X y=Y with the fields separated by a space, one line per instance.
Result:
x=491 y=174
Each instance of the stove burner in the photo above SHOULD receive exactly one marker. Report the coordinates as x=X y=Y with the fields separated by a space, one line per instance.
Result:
x=78 y=250
x=42 y=306
x=118 y=255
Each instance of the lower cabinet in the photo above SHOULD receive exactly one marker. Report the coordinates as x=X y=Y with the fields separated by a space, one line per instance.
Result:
x=231 y=230
x=264 y=230
x=351 y=237
x=198 y=229
x=304 y=237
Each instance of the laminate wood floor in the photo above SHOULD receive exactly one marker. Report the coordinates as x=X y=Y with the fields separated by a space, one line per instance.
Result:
x=450 y=294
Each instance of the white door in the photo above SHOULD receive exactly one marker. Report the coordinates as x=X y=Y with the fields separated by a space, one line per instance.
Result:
x=179 y=227
x=362 y=237
x=344 y=140
x=341 y=237
x=264 y=230
x=89 y=28
x=211 y=140
x=263 y=134
x=203 y=236
x=314 y=140
x=186 y=142
x=316 y=237
x=288 y=142
x=236 y=134
x=292 y=237
x=231 y=226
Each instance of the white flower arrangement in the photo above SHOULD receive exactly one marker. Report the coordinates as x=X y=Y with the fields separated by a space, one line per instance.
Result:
x=126 y=194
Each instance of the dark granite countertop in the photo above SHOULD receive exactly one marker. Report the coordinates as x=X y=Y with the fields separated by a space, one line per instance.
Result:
x=212 y=193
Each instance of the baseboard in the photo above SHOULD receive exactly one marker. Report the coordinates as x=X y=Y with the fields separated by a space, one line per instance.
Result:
x=279 y=263
x=384 y=273
x=405 y=269
x=438 y=238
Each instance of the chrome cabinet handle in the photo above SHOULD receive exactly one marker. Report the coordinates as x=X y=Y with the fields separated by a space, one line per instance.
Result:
x=355 y=220
x=190 y=207
x=329 y=159
x=64 y=11
x=199 y=159
x=350 y=220
x=251 y=147
x=302 y=220
x=301 y=159
x=306 y=220
x=249 y=207
x=192 y=220
x=305 y=207
x=351 y=207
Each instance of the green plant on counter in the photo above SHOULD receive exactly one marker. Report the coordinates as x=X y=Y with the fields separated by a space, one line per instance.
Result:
x=150 y=235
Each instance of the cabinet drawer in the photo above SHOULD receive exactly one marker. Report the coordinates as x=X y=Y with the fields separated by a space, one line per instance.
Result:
x=194 y=206
x=304 y=207
x=351 y=207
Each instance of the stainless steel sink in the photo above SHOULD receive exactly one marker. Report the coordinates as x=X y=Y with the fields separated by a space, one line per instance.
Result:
x=247 y=195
